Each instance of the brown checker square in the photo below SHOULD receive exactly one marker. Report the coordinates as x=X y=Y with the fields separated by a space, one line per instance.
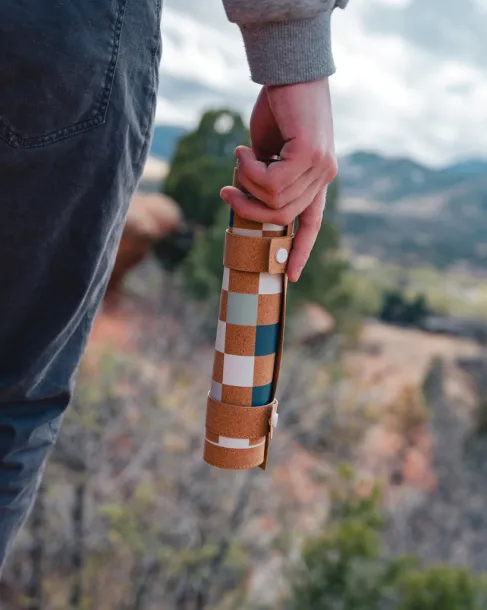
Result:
x=273 y=233
x=218 y=367
x=243 y=282
x=255 y=441
x=243 y=223
x=223 y=306
x=264 y=369
x=211 y=436
x=240 y=340
x=269 y=308
x=235 y=395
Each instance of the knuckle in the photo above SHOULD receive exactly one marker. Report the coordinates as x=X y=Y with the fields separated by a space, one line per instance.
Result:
x=327 y=160
x=332 y=167
x=319 y=156
x=275 y=203
x=283 y=218
x=273 y=185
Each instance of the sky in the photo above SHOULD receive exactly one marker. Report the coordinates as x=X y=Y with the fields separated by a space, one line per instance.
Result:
x=411 y=74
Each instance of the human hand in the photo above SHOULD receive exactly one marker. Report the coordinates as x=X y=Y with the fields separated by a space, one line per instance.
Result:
x=294 y=122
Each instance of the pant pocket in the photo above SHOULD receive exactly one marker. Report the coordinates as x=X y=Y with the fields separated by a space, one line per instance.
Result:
x=57 y=69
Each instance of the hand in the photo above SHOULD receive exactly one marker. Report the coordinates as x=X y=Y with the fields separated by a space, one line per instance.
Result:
x=294 y=122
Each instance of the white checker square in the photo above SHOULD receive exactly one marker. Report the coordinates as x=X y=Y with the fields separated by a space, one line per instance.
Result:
x=226 y=278
x=248 y=232
x=267 y=226
x=234 y=443
x=238 y=370
x=220 y=336
x=216 y=390
x=270 y=283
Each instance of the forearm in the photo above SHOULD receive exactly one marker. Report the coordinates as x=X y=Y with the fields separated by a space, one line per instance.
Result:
x=286 y=41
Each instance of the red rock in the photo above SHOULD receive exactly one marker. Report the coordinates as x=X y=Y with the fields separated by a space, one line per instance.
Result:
x=310 y=322
x=417 y=470
x=150 y=218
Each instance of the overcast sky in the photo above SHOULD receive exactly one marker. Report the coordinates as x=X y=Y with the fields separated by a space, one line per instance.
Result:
x=411 y=75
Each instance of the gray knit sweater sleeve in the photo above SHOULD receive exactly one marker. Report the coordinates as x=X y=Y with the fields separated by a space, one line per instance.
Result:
x=286 y=41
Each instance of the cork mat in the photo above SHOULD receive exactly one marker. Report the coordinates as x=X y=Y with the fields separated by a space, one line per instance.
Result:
x=247 y=349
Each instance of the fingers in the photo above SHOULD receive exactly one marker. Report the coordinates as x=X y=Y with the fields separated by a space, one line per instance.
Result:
x=281 y=199
x=310 y=219
x=274 y=178
x=252 y=209
x=309 y=207
x=282 y=183
x=294 y=186
x=309 y=227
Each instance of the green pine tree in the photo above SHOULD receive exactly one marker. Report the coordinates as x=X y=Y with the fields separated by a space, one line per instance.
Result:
x=346 y=569
x=203 y=163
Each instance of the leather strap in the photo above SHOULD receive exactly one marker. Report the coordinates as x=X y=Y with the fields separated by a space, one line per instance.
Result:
x=257 y=254
x=238 y=422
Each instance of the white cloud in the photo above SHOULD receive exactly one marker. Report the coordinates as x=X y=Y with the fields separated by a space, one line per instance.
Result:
x=203 y=67
x=395 y=3
x=390 y=93
x=202 y=53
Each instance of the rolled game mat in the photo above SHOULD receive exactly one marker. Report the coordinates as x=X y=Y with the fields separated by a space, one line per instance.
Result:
x=242 y=408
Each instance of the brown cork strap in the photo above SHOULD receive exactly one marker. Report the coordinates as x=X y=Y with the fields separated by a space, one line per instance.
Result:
x=232 y=459
x=236 y=421
x=257 y=254
x=226 y=424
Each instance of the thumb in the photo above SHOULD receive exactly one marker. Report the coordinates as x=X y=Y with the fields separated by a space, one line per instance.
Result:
x=265 y=135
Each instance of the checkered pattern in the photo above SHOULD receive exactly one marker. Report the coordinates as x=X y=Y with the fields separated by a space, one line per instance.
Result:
x=248 y=330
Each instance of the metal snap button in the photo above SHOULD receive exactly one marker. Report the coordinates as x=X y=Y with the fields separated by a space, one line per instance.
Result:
x=281 y=255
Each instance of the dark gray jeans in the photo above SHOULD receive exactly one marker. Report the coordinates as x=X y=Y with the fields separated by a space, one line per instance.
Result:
x=78 y=84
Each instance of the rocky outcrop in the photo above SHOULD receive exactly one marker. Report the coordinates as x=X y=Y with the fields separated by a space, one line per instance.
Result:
x=311 y=322
x=150 y=218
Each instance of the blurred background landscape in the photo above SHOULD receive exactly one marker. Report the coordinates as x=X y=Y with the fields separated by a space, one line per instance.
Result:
x=376 y=493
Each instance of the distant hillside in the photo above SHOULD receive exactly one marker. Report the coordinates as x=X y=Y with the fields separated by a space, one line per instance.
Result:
x=165 y=139
x=400 y=210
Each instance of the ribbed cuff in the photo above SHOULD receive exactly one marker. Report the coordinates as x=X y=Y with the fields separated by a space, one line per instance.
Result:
x=289 y=52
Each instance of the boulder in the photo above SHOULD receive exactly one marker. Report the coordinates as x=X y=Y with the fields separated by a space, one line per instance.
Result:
x=310 y=322
x=150 y=218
